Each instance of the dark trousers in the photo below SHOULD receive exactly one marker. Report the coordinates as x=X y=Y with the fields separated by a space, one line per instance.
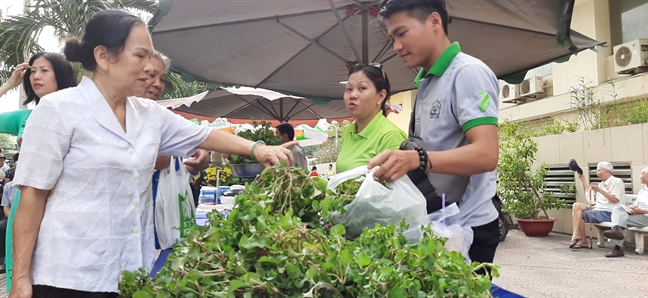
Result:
x=40 y=291
x=3 y=237
x=485 y=241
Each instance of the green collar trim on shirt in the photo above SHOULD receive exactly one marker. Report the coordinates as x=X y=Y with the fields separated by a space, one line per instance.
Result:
x=441 y=64
x=373 y=125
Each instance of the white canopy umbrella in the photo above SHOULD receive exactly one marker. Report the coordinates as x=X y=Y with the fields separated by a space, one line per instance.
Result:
x=247 y=103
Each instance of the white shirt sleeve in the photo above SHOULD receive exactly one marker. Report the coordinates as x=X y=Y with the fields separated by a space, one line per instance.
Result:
x=618 y=190
x=180 y=137
x=45 y=143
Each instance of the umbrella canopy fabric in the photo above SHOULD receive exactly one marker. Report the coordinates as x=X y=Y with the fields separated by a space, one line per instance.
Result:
x=247 y=103
x=302 y=47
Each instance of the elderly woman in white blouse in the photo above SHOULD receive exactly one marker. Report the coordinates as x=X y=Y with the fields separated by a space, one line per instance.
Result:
x=86 y=164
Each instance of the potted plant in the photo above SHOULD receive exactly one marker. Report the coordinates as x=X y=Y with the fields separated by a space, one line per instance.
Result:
x=522 y=188
x=248 y=166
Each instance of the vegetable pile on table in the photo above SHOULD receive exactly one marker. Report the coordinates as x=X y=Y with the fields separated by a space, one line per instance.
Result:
x=280 y=242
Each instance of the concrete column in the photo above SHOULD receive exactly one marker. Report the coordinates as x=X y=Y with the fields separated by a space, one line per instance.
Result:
x=591 y=18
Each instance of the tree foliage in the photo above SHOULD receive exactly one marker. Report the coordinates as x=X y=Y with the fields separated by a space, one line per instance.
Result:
x=19 y=33
x=521 y=187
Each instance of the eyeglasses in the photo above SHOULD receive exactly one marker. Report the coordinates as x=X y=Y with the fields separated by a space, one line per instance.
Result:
x=350 y=64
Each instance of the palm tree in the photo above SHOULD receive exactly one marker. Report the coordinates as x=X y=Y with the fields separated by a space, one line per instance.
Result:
x=177 y=87
x=18 y=34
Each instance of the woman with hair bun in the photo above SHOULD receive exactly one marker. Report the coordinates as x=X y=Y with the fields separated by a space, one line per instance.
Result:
x=86 y=211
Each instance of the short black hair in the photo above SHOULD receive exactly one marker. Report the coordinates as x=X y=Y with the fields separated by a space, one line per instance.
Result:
x=10 y=173
x=314 y=169
x=287 y=129
x=65 y=77
x=15 y=156
x=378 y=77
x=419 y=9
x=108 y=28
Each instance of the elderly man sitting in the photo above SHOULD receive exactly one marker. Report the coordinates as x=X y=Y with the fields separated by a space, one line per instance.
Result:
x=609 y=193
x=632 y=216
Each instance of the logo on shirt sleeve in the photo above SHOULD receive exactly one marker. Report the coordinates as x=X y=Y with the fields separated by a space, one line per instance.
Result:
x=435 y=111
x=485 y=101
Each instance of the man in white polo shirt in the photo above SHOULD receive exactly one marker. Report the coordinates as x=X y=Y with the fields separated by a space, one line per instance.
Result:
x=605 y=196
x=623 y=217
x=455 y=118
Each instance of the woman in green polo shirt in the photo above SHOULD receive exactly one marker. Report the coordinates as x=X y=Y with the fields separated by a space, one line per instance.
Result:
x=367 y=91
x=45 y=73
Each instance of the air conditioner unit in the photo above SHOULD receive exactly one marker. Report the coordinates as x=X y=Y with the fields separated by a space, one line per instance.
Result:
x=631 y=56
x=509 y=92
x=532 y=87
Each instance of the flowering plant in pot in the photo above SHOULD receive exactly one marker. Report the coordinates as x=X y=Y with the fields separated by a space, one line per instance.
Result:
x=248 y=166
x=521 y=187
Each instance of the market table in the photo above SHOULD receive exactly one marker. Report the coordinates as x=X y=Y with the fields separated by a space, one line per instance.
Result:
x=201 y=220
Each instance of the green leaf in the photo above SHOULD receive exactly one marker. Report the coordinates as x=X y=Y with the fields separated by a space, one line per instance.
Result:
x=141 y=294
x=363 y=259
x=345 y=256
x=320 y=183
x=311 y=273
x=266 y=259
x=316 y=205
x=338 y=230
x=235 y=285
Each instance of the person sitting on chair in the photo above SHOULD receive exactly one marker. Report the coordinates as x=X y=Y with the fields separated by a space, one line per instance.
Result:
x=623 y=217
x=608 y=194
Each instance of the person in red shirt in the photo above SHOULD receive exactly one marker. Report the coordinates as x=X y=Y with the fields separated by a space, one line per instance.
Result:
x=313 y=172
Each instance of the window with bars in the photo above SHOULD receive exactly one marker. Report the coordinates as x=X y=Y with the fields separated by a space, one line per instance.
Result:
x=560 y=176
x=622 y=170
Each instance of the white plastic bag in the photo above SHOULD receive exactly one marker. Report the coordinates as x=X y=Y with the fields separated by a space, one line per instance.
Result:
x=375 y=203
x=460 y=238
x=174 y=205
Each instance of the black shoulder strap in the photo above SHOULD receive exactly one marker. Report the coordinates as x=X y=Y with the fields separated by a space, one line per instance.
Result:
x=412 y=124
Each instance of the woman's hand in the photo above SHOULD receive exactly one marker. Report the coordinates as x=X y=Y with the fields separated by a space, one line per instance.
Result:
x=198 y=162
x=21 y=288
x=17 y=75
x=272 y=155
x=16 y=78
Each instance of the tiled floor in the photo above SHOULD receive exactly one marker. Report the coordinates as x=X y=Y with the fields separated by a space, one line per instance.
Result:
x=545 y=267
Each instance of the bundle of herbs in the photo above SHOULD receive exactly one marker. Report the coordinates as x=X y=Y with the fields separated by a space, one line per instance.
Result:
x=278 y=243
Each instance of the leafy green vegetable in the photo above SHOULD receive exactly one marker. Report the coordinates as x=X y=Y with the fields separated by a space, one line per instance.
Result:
x=262 y=132
x=279 y=243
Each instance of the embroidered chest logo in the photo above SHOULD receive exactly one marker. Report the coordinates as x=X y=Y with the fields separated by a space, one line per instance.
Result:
x=435 y=111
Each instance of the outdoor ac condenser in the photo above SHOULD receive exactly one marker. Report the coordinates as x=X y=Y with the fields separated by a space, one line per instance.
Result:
x=532 y=87
x=631 y=57
x=509 y=93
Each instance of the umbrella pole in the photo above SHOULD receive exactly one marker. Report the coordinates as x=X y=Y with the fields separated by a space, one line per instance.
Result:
x=365 y=36
x=336 y=136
